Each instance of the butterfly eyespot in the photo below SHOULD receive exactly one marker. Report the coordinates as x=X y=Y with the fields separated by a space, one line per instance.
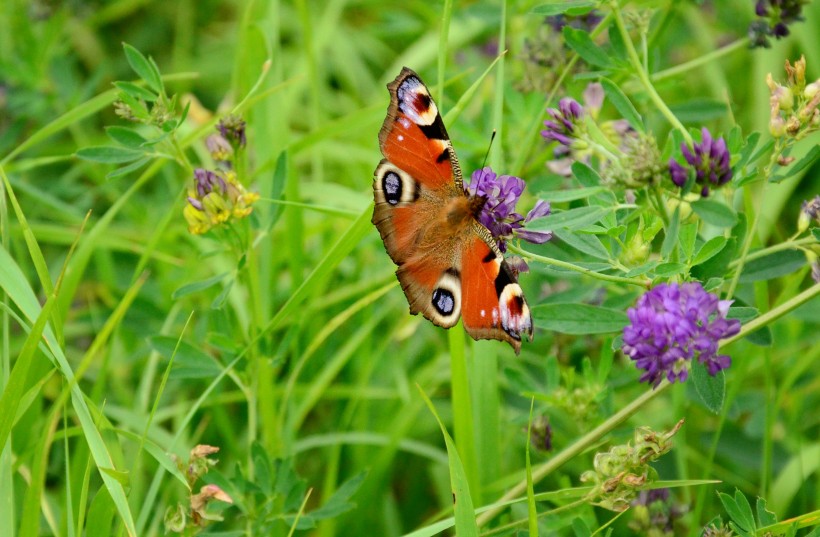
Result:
x=443 y=301
x=446 y=299
x=391 y=185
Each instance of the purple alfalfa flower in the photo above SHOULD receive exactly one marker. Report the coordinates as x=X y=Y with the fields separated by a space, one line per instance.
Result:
x=775 y=16
x=673 y=323
x=564 y=120
x=501 y=194
x=710 y=160
x=811 y=209
x=587 y=21
x=206 y=181
x=232 y=128
x=678 y=173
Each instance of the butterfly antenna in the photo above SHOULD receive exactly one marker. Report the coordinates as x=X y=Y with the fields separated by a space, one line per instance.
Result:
x=487 y=154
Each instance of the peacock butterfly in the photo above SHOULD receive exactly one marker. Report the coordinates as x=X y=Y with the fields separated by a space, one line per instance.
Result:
x=449 y=264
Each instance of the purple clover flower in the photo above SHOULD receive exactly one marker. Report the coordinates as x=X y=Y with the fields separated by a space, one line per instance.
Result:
x=564 y=118
x=498 y=215
x=673 y=323
x=709 y=159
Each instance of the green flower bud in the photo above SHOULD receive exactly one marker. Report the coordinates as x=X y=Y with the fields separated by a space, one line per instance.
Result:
x=811 y=89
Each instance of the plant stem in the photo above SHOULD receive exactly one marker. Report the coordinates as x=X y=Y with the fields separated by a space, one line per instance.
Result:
x=774 y=314
x=575 y=449
x=700 y=60
x=591 y=273
x=763 y=252
x=750 y=233
x=643 y=76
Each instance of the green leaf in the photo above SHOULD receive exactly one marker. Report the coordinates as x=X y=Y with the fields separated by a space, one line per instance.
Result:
x=797 y=167
x=584 y=242
x=109 y=154
x=772 y=266
x=570 y=7
x=138 y=108
x=622 y=103
x=671 y=237
x=712 y=284
x=100 y=515
x=571 y=219
x=764 y=516
x=744 y=314
x=641 y=269
x=745 y=516
x=579 y=318
x=128 y=168
x=717 y=265
x=586 y=175
x=126 y=136
x=712 y=390
x=699 y=110
x=557 y=196
x=219 y=300
x=581 y=42
x=686 y=238
x=135 y=91
x=709 y=249
x=195 y=287
x=665 y=270
x=715 y=213
x=340 y=502
x=746 y=152
x=616 y=41
x=189 y=361
x=580 y=528
x=123 y=476
x=145 y=69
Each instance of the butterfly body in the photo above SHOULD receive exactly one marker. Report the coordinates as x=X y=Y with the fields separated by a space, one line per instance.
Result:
x=449 y=265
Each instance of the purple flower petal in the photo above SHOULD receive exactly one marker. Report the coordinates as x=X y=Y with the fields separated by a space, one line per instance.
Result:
x=542 y=208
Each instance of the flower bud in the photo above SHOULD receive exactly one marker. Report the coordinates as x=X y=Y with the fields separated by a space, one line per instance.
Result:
x=777 y=126
x=800 y=71
x=793 y=125
x=636 y=252
x=812 y=89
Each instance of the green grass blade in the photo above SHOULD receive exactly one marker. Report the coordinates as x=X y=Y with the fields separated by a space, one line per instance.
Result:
x=462 y=405
x=463 y=505
x=15 y=285
x=532 y=513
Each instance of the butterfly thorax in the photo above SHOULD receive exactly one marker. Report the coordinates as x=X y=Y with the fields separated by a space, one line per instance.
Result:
x=462 y=210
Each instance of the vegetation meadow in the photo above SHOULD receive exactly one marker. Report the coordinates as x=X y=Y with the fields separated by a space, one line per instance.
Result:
x=202 y=333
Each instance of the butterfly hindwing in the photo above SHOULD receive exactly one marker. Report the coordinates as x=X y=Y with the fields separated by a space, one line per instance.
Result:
x=493 y=306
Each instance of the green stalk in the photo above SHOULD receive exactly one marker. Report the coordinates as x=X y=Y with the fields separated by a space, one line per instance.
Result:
x=774 y=314
x=700 y=60
x=643 y=76
x=641 y=282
